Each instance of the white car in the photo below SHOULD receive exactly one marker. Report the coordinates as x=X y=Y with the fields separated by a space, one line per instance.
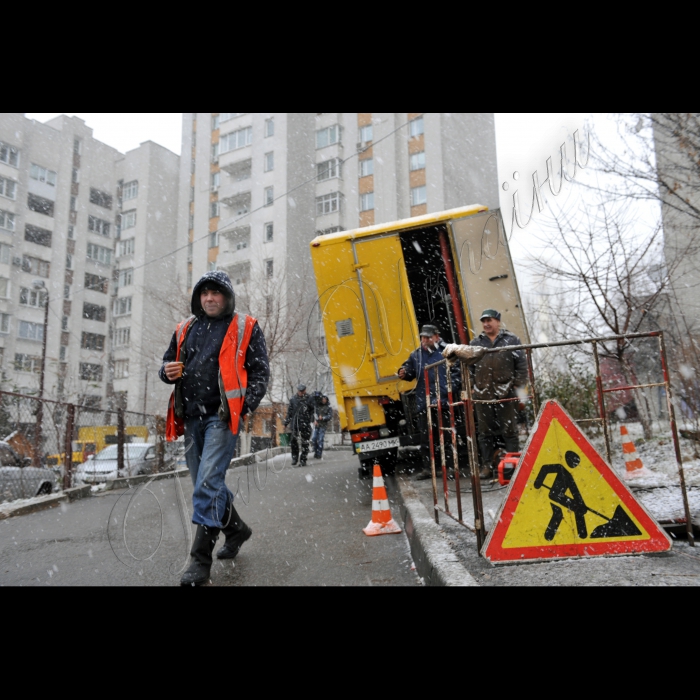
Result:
x=18 y=479
x=139 y=458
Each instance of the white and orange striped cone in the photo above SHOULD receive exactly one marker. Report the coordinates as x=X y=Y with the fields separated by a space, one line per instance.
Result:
x=382 y=523
x=633 y=465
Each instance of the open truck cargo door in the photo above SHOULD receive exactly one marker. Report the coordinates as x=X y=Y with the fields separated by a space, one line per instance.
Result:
x=486 y=271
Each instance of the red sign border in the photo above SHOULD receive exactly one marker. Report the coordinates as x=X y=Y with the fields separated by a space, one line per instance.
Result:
x=495 y=553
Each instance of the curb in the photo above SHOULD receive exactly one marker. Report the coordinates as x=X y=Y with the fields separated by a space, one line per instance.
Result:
x=435 y=561
x=46 y=502
x=127 y=482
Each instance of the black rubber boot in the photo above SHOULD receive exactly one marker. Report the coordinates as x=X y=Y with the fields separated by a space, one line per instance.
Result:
x=236 y=531
x=202 y=547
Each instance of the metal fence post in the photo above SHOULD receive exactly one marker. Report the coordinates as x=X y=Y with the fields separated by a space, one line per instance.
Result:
x=160 y=443
x=120 y=439
x=68 y=448
x=601 y=403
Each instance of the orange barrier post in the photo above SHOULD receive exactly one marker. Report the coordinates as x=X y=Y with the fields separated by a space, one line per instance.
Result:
x=382 y=523
x=632 y=462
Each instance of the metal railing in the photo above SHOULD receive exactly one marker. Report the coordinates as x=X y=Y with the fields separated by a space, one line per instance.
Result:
x=468 y=402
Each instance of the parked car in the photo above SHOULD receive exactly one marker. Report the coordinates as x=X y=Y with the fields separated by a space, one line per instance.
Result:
x=139 y=458
x=18 y=479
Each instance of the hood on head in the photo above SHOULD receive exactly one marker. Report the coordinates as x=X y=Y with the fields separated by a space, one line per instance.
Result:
x=220 y=278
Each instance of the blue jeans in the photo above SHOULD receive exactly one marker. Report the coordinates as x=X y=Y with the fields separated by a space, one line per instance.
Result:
x=317 y=440
x=209 y=448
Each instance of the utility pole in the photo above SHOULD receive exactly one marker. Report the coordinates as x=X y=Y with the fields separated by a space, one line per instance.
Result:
x=40 y=286
x=145 y=391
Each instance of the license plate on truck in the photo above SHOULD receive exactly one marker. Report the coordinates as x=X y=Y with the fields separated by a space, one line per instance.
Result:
x=374 y=445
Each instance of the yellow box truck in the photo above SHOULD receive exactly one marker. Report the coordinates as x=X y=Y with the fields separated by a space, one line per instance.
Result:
x=378 y=285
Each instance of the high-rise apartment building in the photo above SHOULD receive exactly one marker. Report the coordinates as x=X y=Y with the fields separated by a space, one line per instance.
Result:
x=256 y=188
x=79 y=221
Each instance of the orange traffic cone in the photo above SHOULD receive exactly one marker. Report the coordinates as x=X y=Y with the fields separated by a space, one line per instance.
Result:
x=632 y=462
x=382 y=523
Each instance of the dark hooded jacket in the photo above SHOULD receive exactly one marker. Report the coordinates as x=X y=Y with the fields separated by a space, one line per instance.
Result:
x=199 y=386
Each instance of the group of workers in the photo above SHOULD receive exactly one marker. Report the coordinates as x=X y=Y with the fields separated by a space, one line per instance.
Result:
x=303 y=410
x=495 y=377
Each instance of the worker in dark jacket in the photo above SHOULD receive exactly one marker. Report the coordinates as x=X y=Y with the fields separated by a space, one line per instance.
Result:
x=497 y=375
x=300 y=414
x=218 y=362
x=324 y=415
x=414 y=368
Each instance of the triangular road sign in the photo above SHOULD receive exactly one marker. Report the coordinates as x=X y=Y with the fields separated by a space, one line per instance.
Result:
x=565 y=501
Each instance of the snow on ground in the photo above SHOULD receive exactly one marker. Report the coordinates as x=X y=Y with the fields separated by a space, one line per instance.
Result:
x=11 y=505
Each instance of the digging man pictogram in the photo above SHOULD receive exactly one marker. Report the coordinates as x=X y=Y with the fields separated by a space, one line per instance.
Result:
x=618 y=526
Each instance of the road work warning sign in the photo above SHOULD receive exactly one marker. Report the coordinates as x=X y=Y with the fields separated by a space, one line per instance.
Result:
x=565 y=501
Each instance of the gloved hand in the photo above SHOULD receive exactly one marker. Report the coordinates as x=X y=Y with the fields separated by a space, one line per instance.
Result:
x=469 y=354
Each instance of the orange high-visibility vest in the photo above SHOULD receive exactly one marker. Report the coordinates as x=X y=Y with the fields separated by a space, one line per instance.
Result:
x=233 y=376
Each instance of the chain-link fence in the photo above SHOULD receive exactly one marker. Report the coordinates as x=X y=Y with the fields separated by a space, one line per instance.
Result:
x=47 y=446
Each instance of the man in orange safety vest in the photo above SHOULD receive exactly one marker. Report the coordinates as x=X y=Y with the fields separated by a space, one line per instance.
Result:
x=218 y=363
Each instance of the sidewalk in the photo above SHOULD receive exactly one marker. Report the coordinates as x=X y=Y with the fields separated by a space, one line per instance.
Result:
x=446 y=554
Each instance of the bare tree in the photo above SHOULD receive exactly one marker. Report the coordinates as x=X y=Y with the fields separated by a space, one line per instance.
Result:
x=607 y=268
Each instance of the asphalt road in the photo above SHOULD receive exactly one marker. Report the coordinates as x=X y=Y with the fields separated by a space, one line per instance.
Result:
x=307 y=531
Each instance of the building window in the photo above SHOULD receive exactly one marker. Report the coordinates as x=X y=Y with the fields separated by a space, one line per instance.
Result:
x=126 y=278
x=269 y=232
x=269 y=268
x=4 y=288
x=41 y=205
x=213 y=210
x=270 y=127
x=32 y=297
x=418 y=195
x=77 y=147
x=93 y=312
x=367 y=201
x=214 y=154
x=9 y=154
x=269 y=162
x=328 y=203
x=92 y=341
x=27 y=363
x=269 y=196
x=4 y=323
x=122 y=306
x=215 y=181
x=128 y=220
x=75 y=176
x=96 y=283
x=122 y=337
x=242 y=244
x=61 y=358
x=99 y=253
x=102 y=199
x=31 y=331
x=121 y=369
x=367 y=167
x=214 y=239
x=40 y=236
x=236 y=139
x=36 y=172
x=66 y=291
x=416 y=127
x=328 y=169
x=90 y=373
x=366 y=134
x=215 y=122
x=417 y=161
x=98 y=226
x=74 y=203
x=226 y=116
x=130 y=190
x=69 y=261
x=328 y=136
x=35 y=266
x=126 y=247
x=64 y=323
x=8 y=188
x=5 y=253
x=7 y=220
x=71 y=232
